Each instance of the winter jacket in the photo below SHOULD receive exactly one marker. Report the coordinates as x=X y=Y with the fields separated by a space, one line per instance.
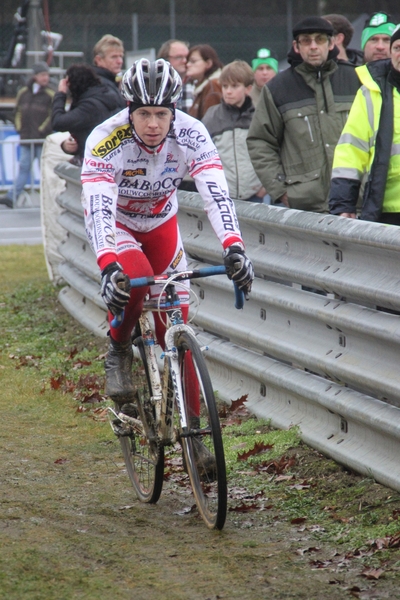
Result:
x=207 y=94
x=108 y=79
x=33 y=112
x=370 y=143
x=94 y=106
x=295 y=129
x=228 y=126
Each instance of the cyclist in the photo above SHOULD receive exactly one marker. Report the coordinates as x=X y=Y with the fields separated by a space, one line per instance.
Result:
x=133 y=165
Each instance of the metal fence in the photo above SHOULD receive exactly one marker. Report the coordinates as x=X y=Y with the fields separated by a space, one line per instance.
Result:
x=325 y=360
x=9 y=166
x=234 y=35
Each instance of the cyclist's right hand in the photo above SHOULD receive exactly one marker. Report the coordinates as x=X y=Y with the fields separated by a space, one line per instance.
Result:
x=239 y=267
x=115 y=288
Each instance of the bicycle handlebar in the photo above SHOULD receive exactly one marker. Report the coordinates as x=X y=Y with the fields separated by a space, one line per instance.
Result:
x=195 y=274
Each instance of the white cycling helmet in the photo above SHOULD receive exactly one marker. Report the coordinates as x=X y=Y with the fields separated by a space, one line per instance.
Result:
x=151 y=83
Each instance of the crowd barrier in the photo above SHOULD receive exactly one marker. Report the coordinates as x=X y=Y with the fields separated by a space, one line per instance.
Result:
x=9 y=163
x=317 y=344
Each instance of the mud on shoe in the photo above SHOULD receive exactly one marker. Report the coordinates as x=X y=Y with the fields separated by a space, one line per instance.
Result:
x=118 y=368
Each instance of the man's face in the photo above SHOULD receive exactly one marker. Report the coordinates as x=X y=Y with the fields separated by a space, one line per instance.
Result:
x=395 y=55
x=313 y=47
x=377 y=47
x=112 y=60
x=177 y=56
x=263 y=74
x=42 y=78
x=151 y=124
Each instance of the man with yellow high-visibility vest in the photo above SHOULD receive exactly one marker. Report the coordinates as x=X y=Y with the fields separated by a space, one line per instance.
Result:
x=370 y=145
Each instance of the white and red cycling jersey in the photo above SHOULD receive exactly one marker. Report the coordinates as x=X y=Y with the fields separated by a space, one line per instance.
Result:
x=123 y=180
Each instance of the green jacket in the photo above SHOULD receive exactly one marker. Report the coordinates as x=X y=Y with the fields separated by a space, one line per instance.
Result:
x=295 y=129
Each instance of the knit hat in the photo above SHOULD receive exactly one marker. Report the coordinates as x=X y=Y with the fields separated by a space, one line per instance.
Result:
x=312 y=25
x=40 y=67
x=264 y=57
x=377 y=24
x=395 y=35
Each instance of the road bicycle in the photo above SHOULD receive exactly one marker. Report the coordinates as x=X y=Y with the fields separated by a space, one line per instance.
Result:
x=166 y=405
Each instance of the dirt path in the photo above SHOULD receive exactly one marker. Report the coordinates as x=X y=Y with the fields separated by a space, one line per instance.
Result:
x=71 y=528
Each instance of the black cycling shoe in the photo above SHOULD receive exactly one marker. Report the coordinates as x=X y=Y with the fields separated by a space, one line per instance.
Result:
x=118 y=367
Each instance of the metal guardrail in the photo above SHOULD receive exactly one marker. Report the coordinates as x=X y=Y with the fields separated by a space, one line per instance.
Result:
x=317 y=344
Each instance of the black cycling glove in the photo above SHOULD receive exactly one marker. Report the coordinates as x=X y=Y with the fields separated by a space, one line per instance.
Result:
x=115 y=288
x=239 y=267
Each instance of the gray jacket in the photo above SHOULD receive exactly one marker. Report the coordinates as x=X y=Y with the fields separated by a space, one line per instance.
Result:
x=228 y=127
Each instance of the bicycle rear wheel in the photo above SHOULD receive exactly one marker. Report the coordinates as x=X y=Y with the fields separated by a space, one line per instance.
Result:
x=202 y=440
x=143 y=455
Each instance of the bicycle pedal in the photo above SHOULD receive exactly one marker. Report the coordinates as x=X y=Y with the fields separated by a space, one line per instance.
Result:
x=121 y=429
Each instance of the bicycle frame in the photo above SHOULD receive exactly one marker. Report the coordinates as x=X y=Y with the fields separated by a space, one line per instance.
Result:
x=162 y=400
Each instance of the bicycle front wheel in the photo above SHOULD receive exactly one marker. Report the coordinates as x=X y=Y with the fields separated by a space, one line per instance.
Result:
x=143 y=455
x=203 y=451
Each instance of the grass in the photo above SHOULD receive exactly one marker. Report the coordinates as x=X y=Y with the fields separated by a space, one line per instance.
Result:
x=68 y=520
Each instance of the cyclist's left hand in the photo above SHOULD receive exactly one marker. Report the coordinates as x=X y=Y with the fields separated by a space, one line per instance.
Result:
x=115 y=288
x=239 y=267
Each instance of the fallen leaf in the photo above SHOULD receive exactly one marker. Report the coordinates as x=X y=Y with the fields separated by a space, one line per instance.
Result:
x=258 y=448
x=372 y=573
x=298 y=520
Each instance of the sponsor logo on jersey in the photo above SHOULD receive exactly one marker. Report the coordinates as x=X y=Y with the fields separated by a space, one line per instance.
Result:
x=170 y=170
x=224 y=204
x=98 y=165
x=177 y=259
x=112 y=141
x=144 y=184
x=190 y=138
x=133 y=172
x=171 y=158
x=207 y=155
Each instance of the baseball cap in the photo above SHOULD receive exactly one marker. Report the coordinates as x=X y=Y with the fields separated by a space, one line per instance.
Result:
x=264 y=57
x=379 y=23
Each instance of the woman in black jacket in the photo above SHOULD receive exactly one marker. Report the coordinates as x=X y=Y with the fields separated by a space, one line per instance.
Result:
x=92 y=103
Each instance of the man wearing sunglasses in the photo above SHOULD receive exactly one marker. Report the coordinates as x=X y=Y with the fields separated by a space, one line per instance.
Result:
x=300 y=117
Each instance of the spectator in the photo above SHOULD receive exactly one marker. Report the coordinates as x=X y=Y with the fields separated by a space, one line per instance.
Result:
x=265 y=67
x=92 y=103
x=370 y=144
x=176 y=52
x=108 y=59
x=204 y=69
x=32 y=121
x=343 y=32
x=228 y=124
x=299 y=119
x=375 y=37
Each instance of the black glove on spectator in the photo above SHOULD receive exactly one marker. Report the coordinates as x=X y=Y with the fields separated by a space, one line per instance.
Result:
x=239 y=267
x=115 y=288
